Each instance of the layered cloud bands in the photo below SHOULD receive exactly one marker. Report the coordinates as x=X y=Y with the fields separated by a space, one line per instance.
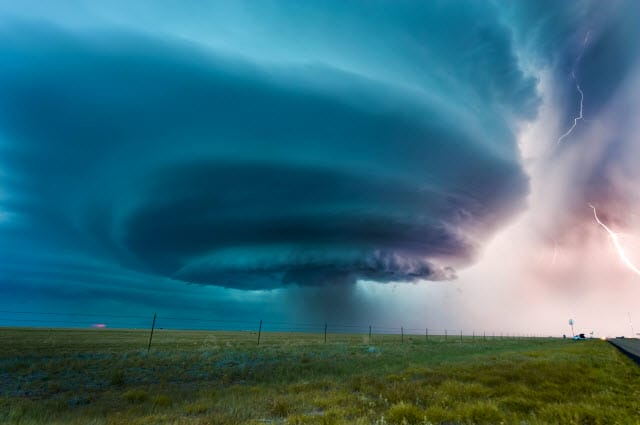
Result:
x=383 y=150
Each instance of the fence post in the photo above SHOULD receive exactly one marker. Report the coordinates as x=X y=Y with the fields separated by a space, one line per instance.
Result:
x=325 y=332
x=473 y=336
x=426 y=334
x=461 y=336
x=153 y=326
x=484 y=336
x=402 y=334
x=259 y=331
x=445 y=334
x=369 y=334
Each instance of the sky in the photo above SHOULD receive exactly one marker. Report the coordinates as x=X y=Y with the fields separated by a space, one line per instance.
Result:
x=443 y=164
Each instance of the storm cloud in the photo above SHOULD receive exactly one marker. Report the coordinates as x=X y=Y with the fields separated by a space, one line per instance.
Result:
x=296 y=161
x=168 y=157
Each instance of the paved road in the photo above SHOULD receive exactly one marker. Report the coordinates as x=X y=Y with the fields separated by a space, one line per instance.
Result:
x=629 y=346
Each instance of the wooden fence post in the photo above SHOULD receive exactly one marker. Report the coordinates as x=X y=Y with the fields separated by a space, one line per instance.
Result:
x=153 y=326
x=259 y=331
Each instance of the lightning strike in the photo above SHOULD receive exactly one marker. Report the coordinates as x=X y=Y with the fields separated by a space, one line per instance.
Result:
x=580 y=116
x=616 y=243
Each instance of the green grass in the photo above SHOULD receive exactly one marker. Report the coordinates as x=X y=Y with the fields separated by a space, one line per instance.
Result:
x=106 y=377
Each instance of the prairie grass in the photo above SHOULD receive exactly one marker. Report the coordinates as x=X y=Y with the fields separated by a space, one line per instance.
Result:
x=106 y=377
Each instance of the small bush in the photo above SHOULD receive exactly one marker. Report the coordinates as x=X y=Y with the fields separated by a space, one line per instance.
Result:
x=519 y=404
x=301 y=420
x=78 y=401
x=53 y=388
x=17 y=367
x=462 y=391
x=135 y=396
x=402 y=413
x=162 y=401
x=280 y=407
x=438 y=414
x=577 y=414
x=480 y=413
x=196 y=408
x=231 y=376
x=117 y=378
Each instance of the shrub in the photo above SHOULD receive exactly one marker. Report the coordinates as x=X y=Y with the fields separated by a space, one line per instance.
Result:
x=438 y=414
x=519 y=404
x=402 y=413
x=117 y=378
x=135 y=396
x=480 y=413
x=53 y=388
x=280 y=407
x=162 y=401
x=196 y=408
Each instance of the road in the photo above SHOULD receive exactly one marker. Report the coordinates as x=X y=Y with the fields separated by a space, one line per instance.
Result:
x=629 y=346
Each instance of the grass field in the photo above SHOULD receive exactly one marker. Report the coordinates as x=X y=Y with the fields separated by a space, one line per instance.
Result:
x=189 y=377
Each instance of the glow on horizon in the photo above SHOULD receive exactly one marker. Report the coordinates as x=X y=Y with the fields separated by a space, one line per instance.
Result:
x=616 y=243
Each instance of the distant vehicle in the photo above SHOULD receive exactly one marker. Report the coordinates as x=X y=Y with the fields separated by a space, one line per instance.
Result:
x=579 y=336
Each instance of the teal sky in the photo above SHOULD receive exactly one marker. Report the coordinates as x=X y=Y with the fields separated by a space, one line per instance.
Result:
x=300 y=161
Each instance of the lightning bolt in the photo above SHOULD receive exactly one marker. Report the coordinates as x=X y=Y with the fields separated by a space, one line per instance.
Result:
x=616 y=243
x=580 y=116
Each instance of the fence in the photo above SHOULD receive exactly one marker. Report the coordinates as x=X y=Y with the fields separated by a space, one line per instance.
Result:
x=254 y=331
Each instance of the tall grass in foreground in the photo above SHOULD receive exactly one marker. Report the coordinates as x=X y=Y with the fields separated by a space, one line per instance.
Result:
x=104 y=377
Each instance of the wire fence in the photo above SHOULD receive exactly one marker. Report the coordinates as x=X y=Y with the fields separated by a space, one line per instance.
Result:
x=256 y=331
